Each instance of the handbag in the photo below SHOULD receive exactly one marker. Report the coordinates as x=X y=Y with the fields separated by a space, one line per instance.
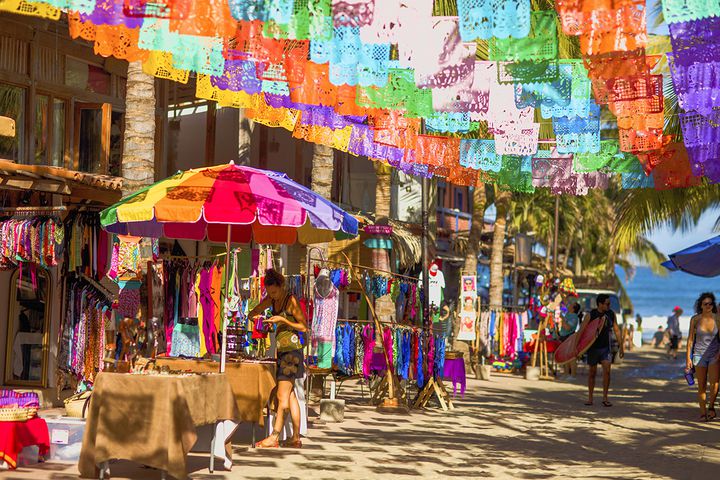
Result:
x=77 y=405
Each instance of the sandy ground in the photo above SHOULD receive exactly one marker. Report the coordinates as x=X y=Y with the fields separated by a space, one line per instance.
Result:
x=504 y=428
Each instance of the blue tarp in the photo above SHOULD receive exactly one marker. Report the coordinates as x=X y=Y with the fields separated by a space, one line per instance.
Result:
x=702 y=259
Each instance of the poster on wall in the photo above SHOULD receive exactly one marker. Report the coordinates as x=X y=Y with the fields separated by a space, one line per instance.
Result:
x=468 y=313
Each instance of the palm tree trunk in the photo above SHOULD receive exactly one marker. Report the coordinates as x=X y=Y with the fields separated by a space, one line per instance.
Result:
x=578 y=262
x=383 y=188
x=548 y=251
x=470 y=264
x=245 y=132
x=323 y=166
x=476 y=229
x=138 y=160
x=566 y=258
x=502 y=204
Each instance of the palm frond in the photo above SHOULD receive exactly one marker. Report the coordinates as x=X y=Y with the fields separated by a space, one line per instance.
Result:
x=654 y=8
x=643 y=210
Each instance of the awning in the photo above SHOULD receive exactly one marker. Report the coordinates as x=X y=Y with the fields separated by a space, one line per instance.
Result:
x=104 y=189
x=702 y=259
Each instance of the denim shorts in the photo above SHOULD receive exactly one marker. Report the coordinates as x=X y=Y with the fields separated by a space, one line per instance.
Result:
x=598 y=356
x=704 y=361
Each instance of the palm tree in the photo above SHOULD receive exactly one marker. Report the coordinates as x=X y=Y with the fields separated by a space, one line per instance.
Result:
x=138 y=160
x=383 y=189
x=472 y=249
x=641 y=211
x=245 y=132
x=503 y=199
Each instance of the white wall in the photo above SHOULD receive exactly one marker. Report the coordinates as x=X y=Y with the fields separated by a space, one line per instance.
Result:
x=407 y=199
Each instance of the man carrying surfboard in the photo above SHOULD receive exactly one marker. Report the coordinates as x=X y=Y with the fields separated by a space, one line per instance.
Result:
x=599 y=351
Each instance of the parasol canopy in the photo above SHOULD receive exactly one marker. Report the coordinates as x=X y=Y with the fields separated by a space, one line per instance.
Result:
x=702 y=259
x=255 y=204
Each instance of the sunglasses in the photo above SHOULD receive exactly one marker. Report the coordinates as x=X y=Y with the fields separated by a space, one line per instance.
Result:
x=707 y=304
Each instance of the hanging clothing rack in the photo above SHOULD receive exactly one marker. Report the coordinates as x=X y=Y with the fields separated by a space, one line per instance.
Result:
x=97 y=285
x=367 y=269
x=32 y=210
x=192 y=257
x=506 y=308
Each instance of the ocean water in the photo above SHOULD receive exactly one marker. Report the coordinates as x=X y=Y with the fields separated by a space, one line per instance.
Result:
x=654 y=297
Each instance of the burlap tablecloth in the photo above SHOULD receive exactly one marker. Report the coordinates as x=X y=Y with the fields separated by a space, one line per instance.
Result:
x=251 y=382
x=152 y=419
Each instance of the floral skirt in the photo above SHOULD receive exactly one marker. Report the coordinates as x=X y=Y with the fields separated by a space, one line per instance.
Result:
x=290 y=365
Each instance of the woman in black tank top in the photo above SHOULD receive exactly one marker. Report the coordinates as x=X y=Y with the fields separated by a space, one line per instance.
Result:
x=290 y=320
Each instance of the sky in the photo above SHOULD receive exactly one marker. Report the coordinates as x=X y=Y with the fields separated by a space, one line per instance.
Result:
x=669 y=241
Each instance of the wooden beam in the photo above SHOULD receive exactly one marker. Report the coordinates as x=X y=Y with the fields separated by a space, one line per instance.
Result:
x=105 y=197
x=27 y=183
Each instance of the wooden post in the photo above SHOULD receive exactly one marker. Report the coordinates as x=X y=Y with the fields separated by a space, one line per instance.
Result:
x=392 y=398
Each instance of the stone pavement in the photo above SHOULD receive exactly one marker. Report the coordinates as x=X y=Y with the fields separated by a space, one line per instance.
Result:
x=505 y=428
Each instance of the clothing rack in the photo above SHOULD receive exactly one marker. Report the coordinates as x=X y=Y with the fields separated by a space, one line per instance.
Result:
x=506 y=308
x=49 y=211
x=371 y=322
x=97 y=285
x=362 y=267
x=193 y=257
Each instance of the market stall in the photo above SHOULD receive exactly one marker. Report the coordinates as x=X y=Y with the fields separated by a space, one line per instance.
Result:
x=387 y=351
x=153 y=420
x=251 y=381
x=197 y=307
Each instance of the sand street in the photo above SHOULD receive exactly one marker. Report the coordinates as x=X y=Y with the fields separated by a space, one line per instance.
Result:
x=506 y=428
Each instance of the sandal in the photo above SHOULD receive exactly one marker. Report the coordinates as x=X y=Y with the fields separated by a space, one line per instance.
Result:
x=291 y=443
x=262 y=444
x=605 y=403
x=712 y=414
x=588 y=404
x=703 y=417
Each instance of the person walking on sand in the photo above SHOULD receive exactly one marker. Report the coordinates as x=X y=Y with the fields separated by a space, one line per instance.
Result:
x=659 y=337
x=600 y=351
x=673 y=331
x=703 y=352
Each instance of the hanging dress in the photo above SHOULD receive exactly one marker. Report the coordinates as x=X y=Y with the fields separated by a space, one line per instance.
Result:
x=325 y=316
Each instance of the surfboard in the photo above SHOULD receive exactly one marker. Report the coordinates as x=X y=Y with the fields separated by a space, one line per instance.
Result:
x=576 y=344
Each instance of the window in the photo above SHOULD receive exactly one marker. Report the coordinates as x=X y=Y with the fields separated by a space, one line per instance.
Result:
x=441 y=192
x=92 y=137
x=49 y=129
x=42 y=124
x=117 y=126
x=58 y=133
x=12 y=105
x=27 y=339
x=459 y=204
x=89 y=78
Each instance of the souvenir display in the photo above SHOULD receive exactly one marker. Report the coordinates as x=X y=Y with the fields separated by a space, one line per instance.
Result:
x=362 y=77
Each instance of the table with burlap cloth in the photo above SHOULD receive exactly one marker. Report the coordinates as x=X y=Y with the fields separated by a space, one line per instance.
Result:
x=153 y=419
x=251 y=382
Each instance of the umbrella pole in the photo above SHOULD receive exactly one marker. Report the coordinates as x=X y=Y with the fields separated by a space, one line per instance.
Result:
x=223 y=351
